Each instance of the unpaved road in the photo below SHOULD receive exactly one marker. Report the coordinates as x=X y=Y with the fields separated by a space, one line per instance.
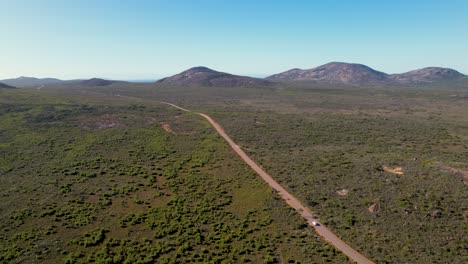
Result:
x=289 y=198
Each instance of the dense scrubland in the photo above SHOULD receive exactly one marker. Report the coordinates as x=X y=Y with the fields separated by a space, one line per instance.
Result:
x=338 y=169
x=94 y=179
x=333 y=152
x=93 y=175
x=371 y=162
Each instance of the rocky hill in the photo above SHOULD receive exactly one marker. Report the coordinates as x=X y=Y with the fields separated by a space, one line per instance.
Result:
x=358 y=74
x=96 y=82
x=24 y=81
x=3 y=86
x=335 y=72
x=427 y=75
x=202 y=76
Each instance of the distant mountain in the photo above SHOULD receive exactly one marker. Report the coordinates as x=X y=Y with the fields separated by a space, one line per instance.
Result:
x=202 y=76
x=96 y=82
x=358 y=74
x=6 y=86
x=30 y=81
x=427 y=75
x=335 y=72
x=24 y=82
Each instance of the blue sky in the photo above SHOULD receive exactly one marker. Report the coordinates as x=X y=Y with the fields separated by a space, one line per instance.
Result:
x=150 y=39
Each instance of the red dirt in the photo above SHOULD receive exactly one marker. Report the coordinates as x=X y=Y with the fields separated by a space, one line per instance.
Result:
x=168 y=128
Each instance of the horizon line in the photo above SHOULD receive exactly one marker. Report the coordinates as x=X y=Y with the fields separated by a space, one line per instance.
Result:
x=256 y=75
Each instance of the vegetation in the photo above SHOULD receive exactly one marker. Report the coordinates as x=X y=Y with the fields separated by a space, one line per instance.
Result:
x=335 y=152
x=319 y=142
x=93 y=178
x=335 y=148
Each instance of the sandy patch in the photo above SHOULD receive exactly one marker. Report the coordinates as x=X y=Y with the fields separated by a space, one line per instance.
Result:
x=168 y=128
x=343 y=192
x=374 y=208
x=395 y=170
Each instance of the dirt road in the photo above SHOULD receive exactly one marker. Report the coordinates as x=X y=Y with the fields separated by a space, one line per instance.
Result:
x=289 y=198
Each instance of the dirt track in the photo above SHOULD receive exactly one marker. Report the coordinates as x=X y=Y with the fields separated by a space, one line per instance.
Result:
x=289 y=198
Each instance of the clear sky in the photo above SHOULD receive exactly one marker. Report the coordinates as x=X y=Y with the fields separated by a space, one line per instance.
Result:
x=150 y=39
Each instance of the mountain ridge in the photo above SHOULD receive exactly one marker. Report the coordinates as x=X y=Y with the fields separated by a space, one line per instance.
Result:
x=97 y=82
x=25 y=81
x=427 y=74
x=6 y=86
x=359 y=74
x=332 y=73
x=204 y=76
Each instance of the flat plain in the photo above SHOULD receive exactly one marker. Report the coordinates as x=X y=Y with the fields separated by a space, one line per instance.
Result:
x=89 y=175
